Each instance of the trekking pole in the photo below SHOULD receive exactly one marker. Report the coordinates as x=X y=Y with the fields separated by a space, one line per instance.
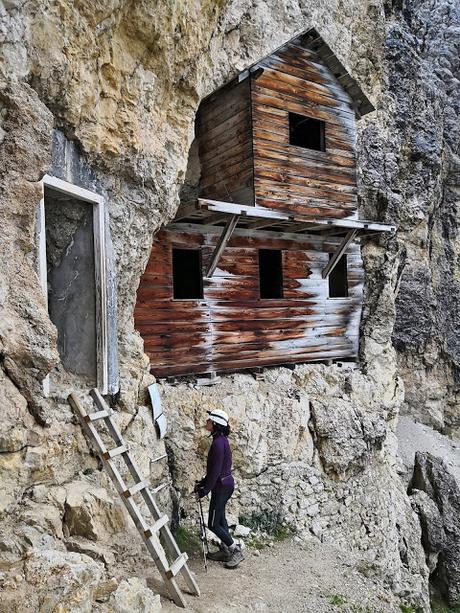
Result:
x=203 y=536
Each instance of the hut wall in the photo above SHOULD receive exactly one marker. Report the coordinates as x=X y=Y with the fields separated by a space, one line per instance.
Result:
x=225 y=145
x=231 y=327
x=317 y=183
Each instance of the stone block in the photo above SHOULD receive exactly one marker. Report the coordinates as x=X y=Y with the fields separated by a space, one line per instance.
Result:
x=63 y=581
x=133 y=595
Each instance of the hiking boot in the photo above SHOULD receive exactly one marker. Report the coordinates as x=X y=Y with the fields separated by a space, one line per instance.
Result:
x=221 y=555
x=236 y=556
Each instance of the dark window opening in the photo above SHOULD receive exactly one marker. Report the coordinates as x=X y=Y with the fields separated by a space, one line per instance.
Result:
x=338 y=279
x=306 y=132
x=187 y=277
x=270 y=273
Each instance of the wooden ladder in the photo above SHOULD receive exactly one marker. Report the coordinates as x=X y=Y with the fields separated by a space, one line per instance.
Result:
x=150 y=532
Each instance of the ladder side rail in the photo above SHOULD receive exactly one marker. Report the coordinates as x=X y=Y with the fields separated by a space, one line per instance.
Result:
x=130 y=463
x=109 y=465
x=96 y=442
x=152 y=543
x=111 y=425
x=153 y=507
x=172 y=546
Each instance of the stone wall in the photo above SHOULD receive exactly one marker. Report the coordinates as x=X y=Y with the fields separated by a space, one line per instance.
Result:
x=123 y=81
x=312 y=447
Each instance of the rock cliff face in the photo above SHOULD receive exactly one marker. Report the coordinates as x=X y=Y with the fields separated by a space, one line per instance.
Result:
x=420 y=182
x=122 y=81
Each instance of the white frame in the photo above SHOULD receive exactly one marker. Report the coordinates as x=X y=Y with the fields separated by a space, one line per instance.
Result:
x=100 y=271
x=159 y=418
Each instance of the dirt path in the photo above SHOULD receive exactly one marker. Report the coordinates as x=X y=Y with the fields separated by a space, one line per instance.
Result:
x=290 y=577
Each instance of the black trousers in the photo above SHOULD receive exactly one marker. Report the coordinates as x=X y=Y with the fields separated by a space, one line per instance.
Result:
x=216 y=520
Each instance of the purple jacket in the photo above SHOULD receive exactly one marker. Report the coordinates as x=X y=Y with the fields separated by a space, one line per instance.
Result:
x=219 y=468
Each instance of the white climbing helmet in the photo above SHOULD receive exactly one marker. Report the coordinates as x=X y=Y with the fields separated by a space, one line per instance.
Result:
x=219 y=417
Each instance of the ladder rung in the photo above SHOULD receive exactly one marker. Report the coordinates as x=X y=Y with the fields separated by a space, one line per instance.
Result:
x=156 y=526
x=159 y=488
x=160 y=457
x=114 y=452
x=97 y=415
x=177 y=565
x=137 y=487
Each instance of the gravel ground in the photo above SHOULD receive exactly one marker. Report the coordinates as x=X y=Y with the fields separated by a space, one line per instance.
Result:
x=413 y=436
x=290 y=577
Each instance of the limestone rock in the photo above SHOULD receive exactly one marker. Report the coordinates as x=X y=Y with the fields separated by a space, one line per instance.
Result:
x=133 y=595
x=145 y=445
x=105 y=589
x=91 y=511
x=423 y=150
x=433 y=534
x=62 y=581
x=432 y=477
x=46 y=518
x=91 y=549
x=17 y=433
x=241 y=530
x=345 y=437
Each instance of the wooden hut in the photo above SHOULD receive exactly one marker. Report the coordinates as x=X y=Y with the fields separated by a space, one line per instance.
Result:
x=264 y=267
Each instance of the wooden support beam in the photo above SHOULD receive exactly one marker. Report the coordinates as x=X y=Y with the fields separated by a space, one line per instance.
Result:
x=338 y=254
x=221 y=244
x=306 y=227
x=265 y=223
x=216 y=218
x=186 y=210
x=332 y=231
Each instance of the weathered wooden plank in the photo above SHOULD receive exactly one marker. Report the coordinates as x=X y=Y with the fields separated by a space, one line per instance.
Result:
x=266 y=137
x=335 y=143
x=233 y=180
x=271 y=82
x=227 y=104
x=275 y=240
x=234 y=141
x=239 y=122
x=221 y=244
x=338 y=253
x=283 y=176
x=306 y=72
x=264 y=98
x=299 y=155
x=263 y=348
x=303 y=208
x=220 y=162
x=274 y=89
x=335 y=137
x=274 y=77
x=326 y=172
x=315 y=192
x=297 y=55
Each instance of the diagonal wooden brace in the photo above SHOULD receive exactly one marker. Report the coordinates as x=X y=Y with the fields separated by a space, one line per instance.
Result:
x=338 y=254
x=221 y=244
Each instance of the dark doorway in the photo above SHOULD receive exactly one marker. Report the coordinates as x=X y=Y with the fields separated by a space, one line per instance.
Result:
x=270 y=273
x=338 y=279
x=187 y=275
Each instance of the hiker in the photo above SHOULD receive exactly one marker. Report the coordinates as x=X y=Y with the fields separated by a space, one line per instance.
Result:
x=219 y=481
